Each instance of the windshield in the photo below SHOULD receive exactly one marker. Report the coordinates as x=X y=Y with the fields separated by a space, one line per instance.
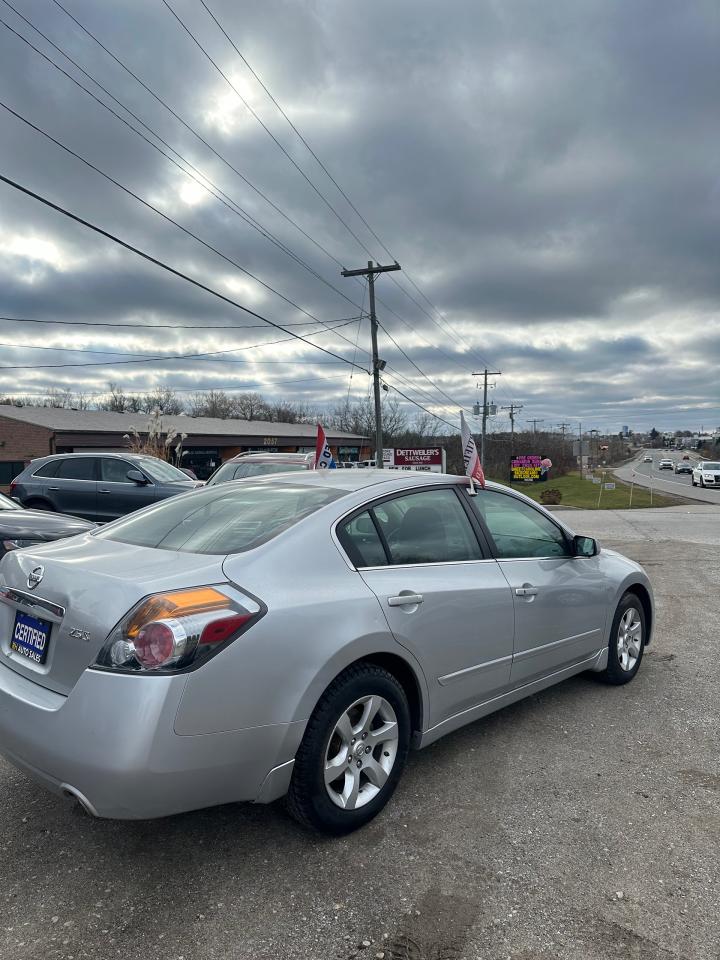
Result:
x=7 y=504
x=231 y=519
x=239 y=471
x=160 y=470
x=711 y=466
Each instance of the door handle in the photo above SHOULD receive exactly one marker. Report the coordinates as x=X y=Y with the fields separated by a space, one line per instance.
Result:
x=405 y=599
x=53 y=488
x=104 y=491
x=526 y=591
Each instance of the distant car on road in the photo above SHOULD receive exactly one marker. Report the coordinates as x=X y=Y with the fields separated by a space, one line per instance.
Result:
x=246 y=465
x=100 y=486
x=686 y=456
x=647 y=459
x=706 y=474
x=682 y=466
x=29 y=528
x=666 y=464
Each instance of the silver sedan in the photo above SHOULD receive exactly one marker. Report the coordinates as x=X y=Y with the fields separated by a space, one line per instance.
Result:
x=296 y=635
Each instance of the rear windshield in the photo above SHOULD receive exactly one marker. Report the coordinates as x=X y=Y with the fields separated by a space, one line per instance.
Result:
x=239 y=471
x=221 y=519
x=160 y=470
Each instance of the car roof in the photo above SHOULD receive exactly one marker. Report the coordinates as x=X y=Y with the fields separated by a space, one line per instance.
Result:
x=270 y=457
x=100 y=453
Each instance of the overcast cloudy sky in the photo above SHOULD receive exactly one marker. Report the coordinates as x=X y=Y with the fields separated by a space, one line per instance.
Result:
x=547 y=174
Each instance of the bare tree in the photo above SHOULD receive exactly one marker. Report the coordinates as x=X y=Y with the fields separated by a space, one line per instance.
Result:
x=212 y=403
x=116 y=399
x=164 y=400
x=251 y=406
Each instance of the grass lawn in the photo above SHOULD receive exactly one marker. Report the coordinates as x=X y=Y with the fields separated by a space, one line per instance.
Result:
x=579 y=492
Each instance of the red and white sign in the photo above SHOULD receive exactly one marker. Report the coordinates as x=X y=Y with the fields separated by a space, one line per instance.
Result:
x=430 y=459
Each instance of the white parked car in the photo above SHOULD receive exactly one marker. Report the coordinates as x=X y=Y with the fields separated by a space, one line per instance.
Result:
x=706 y=474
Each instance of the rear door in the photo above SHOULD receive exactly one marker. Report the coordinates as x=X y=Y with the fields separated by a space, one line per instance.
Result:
x=443 y=599
x=74 y=487
x=561 y=601
x=116 y=494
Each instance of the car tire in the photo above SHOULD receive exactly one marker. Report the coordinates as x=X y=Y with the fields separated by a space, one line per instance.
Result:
x=692 y=481
x=361 y=727
x=39 y=505
x=702 y=483
x=627 y=641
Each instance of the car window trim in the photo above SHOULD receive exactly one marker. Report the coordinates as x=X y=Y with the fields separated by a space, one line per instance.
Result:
x=511 y=496
x=369 y=508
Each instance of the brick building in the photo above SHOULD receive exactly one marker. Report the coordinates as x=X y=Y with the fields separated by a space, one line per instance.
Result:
x=30 y=432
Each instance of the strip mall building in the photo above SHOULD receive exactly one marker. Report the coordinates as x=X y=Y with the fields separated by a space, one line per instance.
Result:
x=30 y=432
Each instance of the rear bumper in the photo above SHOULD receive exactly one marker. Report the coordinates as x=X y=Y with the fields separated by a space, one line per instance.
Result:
x=111 y=743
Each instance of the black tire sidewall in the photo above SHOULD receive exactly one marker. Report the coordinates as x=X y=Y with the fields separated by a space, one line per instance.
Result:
x=319 y=809
x=615 y=672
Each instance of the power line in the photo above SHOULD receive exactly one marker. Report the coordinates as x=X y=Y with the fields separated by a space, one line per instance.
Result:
x=421 y=372
x=216 y=355
x=267 y=130
x=216 y=191
x=164 y=266
x=164 y=216
x=170 y=326
x=446 y=328
x=195 y=133
x=295 y=129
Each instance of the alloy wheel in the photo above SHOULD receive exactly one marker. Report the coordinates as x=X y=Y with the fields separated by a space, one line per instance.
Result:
x=629 y=639
x=361 y=752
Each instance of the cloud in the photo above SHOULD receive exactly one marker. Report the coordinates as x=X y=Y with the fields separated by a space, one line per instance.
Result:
x=547 y=174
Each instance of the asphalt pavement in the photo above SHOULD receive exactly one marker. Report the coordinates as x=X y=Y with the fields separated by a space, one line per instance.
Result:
x=580 y=824
x=665 y=481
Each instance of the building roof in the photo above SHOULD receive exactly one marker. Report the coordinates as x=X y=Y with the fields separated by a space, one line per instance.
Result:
x=102 y=421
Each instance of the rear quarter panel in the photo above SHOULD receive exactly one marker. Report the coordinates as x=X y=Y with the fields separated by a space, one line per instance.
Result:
x=320 y=618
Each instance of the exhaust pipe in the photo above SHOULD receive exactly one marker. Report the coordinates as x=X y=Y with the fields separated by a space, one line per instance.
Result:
x=74 y=794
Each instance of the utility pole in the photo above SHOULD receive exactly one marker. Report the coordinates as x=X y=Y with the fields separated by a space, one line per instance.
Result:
x=563 y=427
x=535 y=423
x=581 y=449
x=378 y=364
x=512 y=410
x=485 y=374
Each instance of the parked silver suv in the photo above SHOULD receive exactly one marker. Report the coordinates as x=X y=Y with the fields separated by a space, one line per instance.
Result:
x=98 y=486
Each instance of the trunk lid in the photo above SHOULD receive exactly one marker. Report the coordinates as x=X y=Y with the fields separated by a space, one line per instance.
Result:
x=86 y=586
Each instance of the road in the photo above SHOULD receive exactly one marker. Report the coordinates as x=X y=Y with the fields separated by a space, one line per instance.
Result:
x=666 y=481
x=581 y=823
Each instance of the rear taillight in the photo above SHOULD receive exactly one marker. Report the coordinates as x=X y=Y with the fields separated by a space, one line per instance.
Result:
x=167 y=632
x=12 y=488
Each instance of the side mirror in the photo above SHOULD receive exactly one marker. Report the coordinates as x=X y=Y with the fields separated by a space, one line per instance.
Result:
x=586 y=547
x=137 y=477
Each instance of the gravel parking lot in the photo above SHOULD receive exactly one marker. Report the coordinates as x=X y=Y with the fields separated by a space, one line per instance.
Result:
x=582 y=824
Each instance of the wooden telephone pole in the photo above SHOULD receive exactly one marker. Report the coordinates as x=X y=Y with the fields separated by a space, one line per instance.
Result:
x=370 y=271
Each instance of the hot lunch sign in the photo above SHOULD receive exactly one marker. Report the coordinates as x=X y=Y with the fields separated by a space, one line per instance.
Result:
x=430 y=459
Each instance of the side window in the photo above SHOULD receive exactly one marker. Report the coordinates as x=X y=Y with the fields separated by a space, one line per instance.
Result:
x=427 y=527
x=77 y=468
x=361 y=542
x=113 y=470
x=518 y=529
x=48 y=469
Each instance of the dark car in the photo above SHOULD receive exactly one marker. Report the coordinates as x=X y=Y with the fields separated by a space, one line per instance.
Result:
x=683 y=466
x=260 y=464
x=27 y=528
x=99 y=486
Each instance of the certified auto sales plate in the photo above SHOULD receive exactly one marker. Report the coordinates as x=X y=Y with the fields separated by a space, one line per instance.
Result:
x=30 y=637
